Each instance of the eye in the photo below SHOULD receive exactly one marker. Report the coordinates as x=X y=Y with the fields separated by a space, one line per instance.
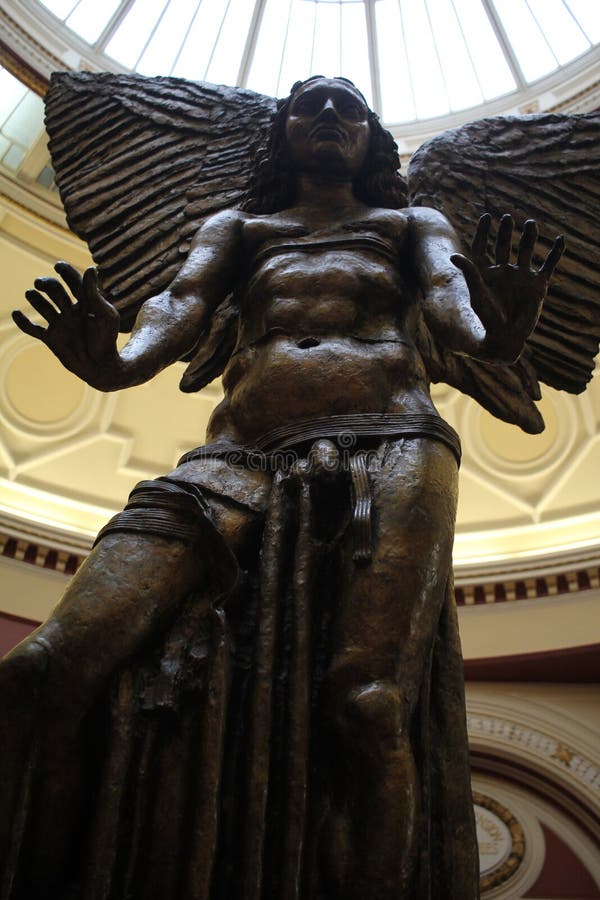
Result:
x=352 y=111
x=305 y=105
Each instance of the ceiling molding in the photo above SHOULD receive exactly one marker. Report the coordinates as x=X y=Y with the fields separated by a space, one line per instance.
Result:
x=61 y=551
x=22 y=70
x=539 y=747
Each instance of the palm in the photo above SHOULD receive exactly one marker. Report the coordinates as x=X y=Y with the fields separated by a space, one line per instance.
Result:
x=82 y=334
x=507 y=297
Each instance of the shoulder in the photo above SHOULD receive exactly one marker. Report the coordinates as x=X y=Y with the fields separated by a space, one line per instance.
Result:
x=223 y=228
x=426 y=220
x=225 y=219
x=392 y=215
x=390 y=222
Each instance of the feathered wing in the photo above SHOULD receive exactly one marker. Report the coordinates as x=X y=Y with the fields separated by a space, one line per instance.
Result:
x=543 y=167
x=140 y=162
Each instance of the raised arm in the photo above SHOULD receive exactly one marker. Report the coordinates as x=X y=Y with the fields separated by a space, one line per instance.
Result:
x=446 y=303
x=477 y=307
x=82 y=334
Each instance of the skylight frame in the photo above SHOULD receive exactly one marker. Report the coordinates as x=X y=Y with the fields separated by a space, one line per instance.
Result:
x=500 y=101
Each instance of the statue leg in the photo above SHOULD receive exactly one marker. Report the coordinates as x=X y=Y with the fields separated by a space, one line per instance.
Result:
x=127 y=588
x=123 y=596
x=382 y=638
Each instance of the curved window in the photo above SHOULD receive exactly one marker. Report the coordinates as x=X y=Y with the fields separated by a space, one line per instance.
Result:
x=413 y=59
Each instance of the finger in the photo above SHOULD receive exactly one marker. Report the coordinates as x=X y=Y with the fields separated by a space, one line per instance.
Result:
x=463 y=263
x=469 y=270
x=28 y=327
x=41 y=305
x=96 y=304
x=71 y=277
x=527 y=243
x=503 y=239
x=480 y=241
x=55 y=291
x=556 y=251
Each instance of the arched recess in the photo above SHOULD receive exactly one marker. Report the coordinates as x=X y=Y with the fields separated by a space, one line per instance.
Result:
x=536 y=782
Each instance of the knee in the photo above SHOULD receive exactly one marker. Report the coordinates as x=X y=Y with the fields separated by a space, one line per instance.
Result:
x=39 y=681
x=30 y=656
x=24 y=673
x=369 y=718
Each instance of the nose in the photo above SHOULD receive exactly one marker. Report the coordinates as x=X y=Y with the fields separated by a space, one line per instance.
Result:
x=328 y=109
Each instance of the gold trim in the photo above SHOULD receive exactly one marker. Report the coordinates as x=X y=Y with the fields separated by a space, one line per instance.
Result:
x=509 y=867
x=574 y=99
x=23 y=71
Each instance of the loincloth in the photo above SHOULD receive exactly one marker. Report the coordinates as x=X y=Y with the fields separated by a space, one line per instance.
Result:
x=176 y=505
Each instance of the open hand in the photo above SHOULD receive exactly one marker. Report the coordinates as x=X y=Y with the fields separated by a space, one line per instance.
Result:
x=81 y=334
x=507 y=298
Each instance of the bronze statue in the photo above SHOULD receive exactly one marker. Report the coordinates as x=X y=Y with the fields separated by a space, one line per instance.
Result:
x=253 y=686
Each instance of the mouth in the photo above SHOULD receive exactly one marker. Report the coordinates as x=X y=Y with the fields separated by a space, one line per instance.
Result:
x=328 y=133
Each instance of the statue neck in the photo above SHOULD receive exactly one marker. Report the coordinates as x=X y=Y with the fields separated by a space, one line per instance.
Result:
x=324 y=191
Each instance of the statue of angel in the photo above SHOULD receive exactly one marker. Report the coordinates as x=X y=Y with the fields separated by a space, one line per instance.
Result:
x=253 y=686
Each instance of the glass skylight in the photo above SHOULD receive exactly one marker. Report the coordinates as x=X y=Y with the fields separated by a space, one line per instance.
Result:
x=305 y=38
x=88 y=18
x=21 y=120
x=413 y=59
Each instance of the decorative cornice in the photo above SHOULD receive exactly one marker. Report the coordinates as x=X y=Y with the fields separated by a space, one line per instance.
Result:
x=537 y=745
x=22 y=70
x=534 y=743
x=42 y=553
x=24 y=50
x=39 y=555
x=586 y=100
x=580 y=807
x=568 y=581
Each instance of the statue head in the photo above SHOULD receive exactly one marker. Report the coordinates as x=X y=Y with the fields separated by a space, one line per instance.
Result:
x=327 y=129
x=376 y=179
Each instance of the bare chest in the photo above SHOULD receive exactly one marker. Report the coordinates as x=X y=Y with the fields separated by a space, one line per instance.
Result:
x=333 y=274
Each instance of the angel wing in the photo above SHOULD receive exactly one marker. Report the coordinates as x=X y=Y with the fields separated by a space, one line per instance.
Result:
x=543 y=167
x=140 y=162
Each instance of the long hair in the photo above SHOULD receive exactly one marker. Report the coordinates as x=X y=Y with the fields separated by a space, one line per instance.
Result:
x=272 y=186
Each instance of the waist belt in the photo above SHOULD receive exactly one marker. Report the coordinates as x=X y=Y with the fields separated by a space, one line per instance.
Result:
x=344 y=431
x=346 y=428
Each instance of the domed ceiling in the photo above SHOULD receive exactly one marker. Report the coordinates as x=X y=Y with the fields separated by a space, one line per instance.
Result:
x=413 y=59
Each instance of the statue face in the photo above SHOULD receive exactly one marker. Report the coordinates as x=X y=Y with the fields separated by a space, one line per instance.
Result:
x=327 y=128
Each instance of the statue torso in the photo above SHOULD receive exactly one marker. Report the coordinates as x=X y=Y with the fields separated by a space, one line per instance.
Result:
x=327 y=322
